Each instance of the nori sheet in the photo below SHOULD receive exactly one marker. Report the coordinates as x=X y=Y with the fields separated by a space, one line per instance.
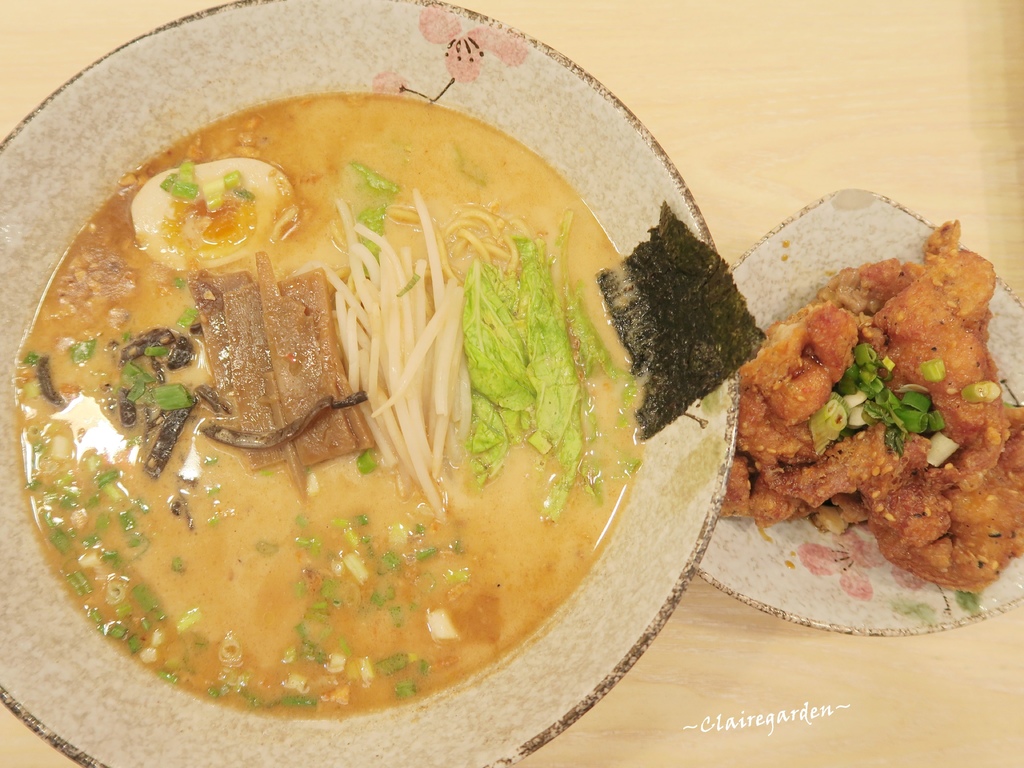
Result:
x=680 y=316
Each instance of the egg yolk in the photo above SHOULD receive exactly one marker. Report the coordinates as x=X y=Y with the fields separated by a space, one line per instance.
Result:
x=193 y=228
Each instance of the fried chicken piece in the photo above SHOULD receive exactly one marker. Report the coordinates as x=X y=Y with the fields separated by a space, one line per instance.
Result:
x=944 y=314
x=865 y=290
x=861 y=463
x=791 y=378
x=748 y=495
x=943 y=242
x=985 y=532
x=737 y=487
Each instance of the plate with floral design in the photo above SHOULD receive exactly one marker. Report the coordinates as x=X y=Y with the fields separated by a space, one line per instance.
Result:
x=841 y=582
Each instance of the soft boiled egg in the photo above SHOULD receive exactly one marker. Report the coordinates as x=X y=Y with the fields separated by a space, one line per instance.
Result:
x=212 y=213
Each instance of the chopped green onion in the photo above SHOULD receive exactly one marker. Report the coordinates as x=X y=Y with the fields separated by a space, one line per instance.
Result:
x=232 y=179
x=912 y=420
x=933 y=370
x=405 y=688
x=888 y=363
x=864 y=354
x=355 y=565
x=213 y=193
x=940 y=449
x=61 y=540
x=362 y=520
x=188 y=317
x=854 y=399
x=82 y=351
x=243 y=194
x=147 y=600
x=156 y=351
x=178 y=565
x=111 y=557
x=113 y=492
x=366 y=462
x=936 y=422
x=187 y=171
x=108 y=477
x=31 y=358
x=79 y=582
x=392 y=561
x=171 y=397
x=298 y=701
x=457 y=577
x=408 y=286
x=189 y=619
x=981 y=392
x=917 y=401
x=393 y=664
x=135 y=380
x=867 y=375
x=184 y=190
x=848 y=383
x=827 y=422
x=179 y=282
x=423 y=554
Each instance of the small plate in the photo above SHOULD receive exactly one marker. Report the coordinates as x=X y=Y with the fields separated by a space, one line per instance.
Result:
x=792 y=570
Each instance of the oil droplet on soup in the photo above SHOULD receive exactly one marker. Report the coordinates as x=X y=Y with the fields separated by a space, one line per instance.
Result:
x=396 y=242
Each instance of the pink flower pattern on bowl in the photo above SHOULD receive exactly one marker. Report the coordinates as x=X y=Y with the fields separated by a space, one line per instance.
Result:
x=464 y=52
x=850 y=558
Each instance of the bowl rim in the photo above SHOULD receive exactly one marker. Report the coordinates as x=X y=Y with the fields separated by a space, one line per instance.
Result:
x=730 y=387
x=828 y=626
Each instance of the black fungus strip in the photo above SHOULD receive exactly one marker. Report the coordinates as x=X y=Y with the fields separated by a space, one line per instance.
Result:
x=179 y=508
x=126 y=410
x=209 y=395
x=170 y=430
x=156 y=337
x=45 y=379
x=158 y=370
x=275 y=437
x=680 y=316
x=153 y=417
x=181 y=353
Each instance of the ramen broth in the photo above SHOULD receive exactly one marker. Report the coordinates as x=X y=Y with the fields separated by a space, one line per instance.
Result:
x=352 y=593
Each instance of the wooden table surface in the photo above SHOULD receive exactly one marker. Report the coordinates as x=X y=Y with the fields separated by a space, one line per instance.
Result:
x=764 y=107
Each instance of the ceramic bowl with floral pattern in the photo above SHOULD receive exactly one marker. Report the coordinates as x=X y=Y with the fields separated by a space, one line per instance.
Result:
x=841 y=581
x=87 y=698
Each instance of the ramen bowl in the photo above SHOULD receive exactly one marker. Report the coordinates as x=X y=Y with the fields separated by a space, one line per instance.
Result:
x=87 y=697
x=840 y=581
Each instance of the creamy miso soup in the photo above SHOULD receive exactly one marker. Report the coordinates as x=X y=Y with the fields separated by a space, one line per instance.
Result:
x=320 y=411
